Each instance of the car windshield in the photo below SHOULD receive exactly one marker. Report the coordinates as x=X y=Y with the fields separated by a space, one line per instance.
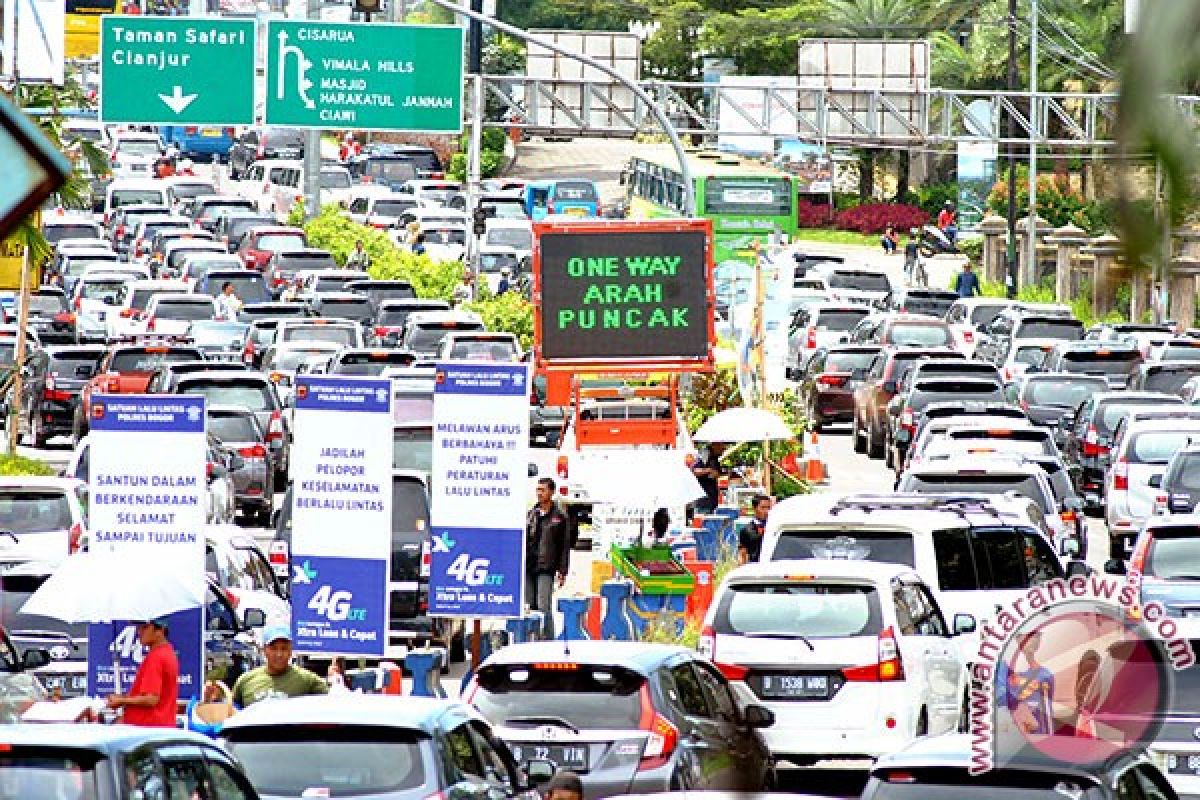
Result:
x=575 y=191
x=141 y=297
x=334 y=760
x=289 y=360
x=358 y=308
x=1185 y=472
x=1031 y=355
x=392 y=208
x=217 y=334
x=390 y=170
x=371 y=363
x=861 y=281
x=1069 y=329
x=516 y=238
x=1111 y=414
x=410 y=504
x=1180 y=353
x=1062 y=392
x=428 y=337
x=952 y=783
x=813 y=610
x=296 y=263
x=919 y=335
x=840 y=320
x=233 y=427
x=150 y=360
x=335 y=179
x=412 y=448
x=409 y=407
x=445 y=236
x=129 y=197
x=979 y=482
x=56 y=233
x=16 y=589
x=34 y=512
x=592 y=697
x=338 y=334
x=183 y=310
x=138 y=147
x=188 y=190
x=1157 y=447
x=854 y=362
x=891 y=547
x=1114 y=362
x=1173 y=553
x=493 y=263
x=331 y=283
x=983 y=314
x=484 y=351
x=73 y=366
x=48 y=776
x=250 y=395
x=1169 y=380
x=280 y=241
x=47 y=303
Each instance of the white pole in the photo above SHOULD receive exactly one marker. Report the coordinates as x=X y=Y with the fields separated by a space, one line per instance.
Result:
x=1031 y=231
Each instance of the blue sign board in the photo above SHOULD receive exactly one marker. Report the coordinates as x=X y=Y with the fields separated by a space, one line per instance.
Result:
x=339 y=605
x=476 y=572
x=147 y=413
x=120 y=640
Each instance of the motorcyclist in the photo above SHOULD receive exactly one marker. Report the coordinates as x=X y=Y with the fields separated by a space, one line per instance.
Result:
x=947 y=220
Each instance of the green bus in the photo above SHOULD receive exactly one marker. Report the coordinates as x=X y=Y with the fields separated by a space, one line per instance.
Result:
x=746 y=200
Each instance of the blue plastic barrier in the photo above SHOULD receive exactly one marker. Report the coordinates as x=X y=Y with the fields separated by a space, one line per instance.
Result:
x=526 y=628
x=616 y=625
x=425 y=666
x=574 y=611
x=489 y=642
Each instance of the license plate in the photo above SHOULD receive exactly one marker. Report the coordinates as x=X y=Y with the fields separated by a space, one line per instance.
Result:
x=795 y=686
x=576 y=212
x=67 y=683
x=572 y=757
x=210 y=132
x=1183 y=764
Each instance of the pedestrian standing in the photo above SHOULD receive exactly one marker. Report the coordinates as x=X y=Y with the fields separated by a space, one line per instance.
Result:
x=418 y=245
x=912 y=252
x=464 y=292
x=503 y=285
x=708 y=474
x=947 y=220
x=547 y=553
x=279 y=677
x=229 y=305
x=750 y=538
x=966 y=283
x=359 y=258
x=152 y=698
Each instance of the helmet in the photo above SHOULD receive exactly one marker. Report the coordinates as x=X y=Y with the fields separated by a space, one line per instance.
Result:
x=504 y=271
x=948 y=205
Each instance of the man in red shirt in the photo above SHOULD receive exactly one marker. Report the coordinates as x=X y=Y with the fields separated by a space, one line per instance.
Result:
x=151 y=700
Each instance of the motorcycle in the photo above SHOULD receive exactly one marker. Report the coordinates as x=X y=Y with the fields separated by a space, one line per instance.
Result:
x=933 y=241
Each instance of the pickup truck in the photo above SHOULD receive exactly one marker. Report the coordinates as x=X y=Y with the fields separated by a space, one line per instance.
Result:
x=127 y=369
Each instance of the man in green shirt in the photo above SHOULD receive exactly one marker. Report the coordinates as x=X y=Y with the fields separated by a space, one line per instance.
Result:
x=278 y=678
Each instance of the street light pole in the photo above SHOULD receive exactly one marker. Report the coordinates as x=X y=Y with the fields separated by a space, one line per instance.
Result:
x=689 y=189
x=1034 y=114
x=1010 y=271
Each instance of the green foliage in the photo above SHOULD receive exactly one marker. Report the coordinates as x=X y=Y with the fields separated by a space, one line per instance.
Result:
x=510 y=312
x=710 y=392
x=13 y=464
x=491 y=157
x=1038 y=293
x=972 y=249
x=1057 y=202
x=933 y=196
x=333 y=232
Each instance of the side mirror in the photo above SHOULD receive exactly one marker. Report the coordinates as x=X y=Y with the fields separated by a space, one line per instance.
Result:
x=1073 y=504
x=236 y=462
x=758 y=716
x=35 y=657
x=1114 y=567
x=254 y=618
x=539 y=771
x=219 y=471
x=964 y=623
x=844 y=339
x=1069 y=548
x=1156 y=481
x=1078 y=569
x=889 y=386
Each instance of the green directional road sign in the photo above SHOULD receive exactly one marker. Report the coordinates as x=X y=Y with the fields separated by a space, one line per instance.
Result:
x=177 y=70
x=364 y=76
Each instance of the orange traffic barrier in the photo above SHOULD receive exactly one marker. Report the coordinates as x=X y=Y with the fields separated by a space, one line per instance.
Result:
x=814 y=469
x=702 y=594
x=595 y=613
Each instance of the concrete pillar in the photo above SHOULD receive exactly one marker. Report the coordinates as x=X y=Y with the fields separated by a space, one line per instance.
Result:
x=995 y=247
x=1181 y=290
x=1029 y=274
x=1067 y=242
x=1104 y=250
x=1140 y=284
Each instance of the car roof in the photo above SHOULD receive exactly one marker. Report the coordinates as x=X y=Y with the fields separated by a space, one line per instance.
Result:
x=341 y=297
x=992 y=465
x=223 y=375
x=182 y=297
x=878 y=572
x=433 y=317
x=423 y=713
x=954 y=750
x=101 y=738
x=908 y=510
x=414 y=303
x=642 y=657
x=38 y=482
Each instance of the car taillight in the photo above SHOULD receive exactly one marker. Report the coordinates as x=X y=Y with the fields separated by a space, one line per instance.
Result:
x=275 y=427
x=968 y=336
x=833 y=378
x=889 y=666
x=426 y=559
x=733 y=672
x=248 y=352
x=812 y=338
x=253 y=451
x=562 y=469
x=1137 y=560
x=78 y=304
x=234 y=600
x=150 y=324
x=65 y=317
x=208 y=470
x=120 y=232
x=51 y=391
x=74 y=537
x=1121 y=475
x=1091 y=443
x=1160 y=505
x=706 y=645
x=663 y=738
x=1008 y=374
x=381 y=330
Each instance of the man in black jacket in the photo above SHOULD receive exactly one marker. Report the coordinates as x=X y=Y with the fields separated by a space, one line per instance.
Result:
x=547 y=553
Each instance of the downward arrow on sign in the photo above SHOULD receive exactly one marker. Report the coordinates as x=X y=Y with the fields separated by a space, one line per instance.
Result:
x=178 y=101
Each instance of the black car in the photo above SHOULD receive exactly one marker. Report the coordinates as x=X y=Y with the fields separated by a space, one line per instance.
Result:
x=258 y=143
x=118 y=761
x=937 y=768
x=379 y=290
x=343 y=305
x=1179 y=486
x=51 y=317
x=829 y=379
x=1088 y=436
x=409 y=623
x=1167 y=377
x=53 y=380
x=1047 y=397
x=392 y=315
x=588 y=708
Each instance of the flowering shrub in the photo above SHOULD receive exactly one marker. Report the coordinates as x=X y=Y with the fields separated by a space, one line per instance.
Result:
x=812 y=215
x=875 y=217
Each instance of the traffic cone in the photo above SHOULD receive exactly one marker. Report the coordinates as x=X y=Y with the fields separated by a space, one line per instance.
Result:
x=814 y=465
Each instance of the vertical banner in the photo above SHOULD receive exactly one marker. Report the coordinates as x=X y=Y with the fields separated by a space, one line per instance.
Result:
x=147 y=497
x=341 y=515
x=480 y=468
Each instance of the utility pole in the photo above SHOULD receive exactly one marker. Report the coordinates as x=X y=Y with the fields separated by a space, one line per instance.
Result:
x=312 y=144
x=474 y=151
x=1010 y=279
x=1034 y=115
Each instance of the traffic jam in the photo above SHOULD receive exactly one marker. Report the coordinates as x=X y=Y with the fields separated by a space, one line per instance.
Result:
x=506 y=491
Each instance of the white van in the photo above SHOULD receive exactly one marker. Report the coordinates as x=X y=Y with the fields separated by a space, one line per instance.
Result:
x=134 y=191
x=274 y=184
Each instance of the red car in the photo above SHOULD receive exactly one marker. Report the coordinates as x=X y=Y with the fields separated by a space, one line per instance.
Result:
x=259 y=244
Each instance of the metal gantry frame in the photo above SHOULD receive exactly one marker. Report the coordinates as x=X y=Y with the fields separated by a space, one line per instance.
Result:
x=839 y=116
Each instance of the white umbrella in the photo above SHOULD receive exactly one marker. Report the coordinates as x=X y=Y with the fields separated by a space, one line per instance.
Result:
x=744 y=425
x=99 y=586
x=647 y=479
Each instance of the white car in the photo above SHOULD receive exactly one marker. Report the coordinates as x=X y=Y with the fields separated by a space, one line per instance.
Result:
x=968 y=314
x=172 y=314
x=244 y=573
x=342 y=333
x=337 y=185
x=514 y=233
x=1141 y=454
x=854 y=658
x=96 y=295
x=134 y=192
x=41 y=518
x=130 y=317
x=378 y=206
x=133 y=154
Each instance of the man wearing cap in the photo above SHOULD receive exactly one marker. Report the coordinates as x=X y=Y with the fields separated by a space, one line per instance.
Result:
x=565 y=785
x=155 y=691
x=278 y=678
